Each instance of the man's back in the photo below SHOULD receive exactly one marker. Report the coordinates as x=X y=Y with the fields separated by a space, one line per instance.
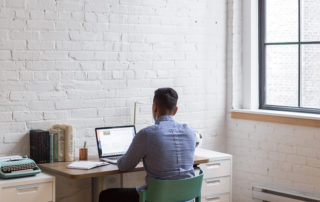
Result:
x=167 y=149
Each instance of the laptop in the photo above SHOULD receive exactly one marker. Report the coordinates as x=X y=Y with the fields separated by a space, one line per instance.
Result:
x=113 y=142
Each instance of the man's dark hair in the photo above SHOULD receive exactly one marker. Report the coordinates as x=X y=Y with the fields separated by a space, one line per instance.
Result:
x=166 y=99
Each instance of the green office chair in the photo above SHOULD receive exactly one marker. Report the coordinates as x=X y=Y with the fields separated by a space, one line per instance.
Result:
x=173 y=190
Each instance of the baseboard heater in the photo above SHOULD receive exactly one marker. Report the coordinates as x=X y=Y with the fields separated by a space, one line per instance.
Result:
x=267 y=194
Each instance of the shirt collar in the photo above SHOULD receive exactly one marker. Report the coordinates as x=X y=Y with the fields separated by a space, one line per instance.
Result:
x=164 y=118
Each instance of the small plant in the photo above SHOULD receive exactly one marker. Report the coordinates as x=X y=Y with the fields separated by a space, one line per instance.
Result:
x=84 y=144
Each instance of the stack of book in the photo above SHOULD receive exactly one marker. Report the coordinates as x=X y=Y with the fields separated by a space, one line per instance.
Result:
x=52 y=146
x=40 y=146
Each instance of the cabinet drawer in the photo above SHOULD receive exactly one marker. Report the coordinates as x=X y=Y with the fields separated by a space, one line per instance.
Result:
x=29 y=192
x=213 y=186
x=216 y=198
x=134 y=179
x=216 y=168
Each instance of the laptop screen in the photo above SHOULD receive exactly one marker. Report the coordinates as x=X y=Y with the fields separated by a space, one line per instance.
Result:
x=114 y=140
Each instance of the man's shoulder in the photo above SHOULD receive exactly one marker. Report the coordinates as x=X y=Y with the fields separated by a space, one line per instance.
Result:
x=156 y=127
x=183 y=126
x=149 y=129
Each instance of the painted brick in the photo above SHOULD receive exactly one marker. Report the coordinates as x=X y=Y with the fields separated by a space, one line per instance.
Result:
x=41 y=5
x=13 y=127
x=15 y=4
x=40 y=45
x=56 y=115
x=22 y=95
x=41 y=105
x=12 y=24
x=25 y=55
x=51 y=36
x=27 y=35
x=27 y=116
x=26 y=76
x=12 y=75
x=54 y=55
x=40 y=25
x=16 y=44
x=5 y=55
x=86 y=62
x=84 y=113
x=5 y=116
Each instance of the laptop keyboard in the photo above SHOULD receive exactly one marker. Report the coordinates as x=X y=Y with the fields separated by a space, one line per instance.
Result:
x=114 y=157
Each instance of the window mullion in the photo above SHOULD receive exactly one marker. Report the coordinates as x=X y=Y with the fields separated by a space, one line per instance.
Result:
x=299 y=54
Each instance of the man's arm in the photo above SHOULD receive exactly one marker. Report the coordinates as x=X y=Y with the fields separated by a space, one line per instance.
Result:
x=135 y=153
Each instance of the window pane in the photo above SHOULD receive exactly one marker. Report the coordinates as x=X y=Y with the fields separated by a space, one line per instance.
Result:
x=310 y=76
x=282 y=75
x=310 y=20
x=281 y=20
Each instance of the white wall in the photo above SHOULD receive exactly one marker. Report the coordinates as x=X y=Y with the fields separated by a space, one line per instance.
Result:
x=276 y=155
x=86 y=62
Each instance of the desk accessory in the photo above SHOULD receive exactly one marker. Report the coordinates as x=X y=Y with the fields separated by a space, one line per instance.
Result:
x=198 y=139
x=86 y=165
x=83 y=152
x=18 y=168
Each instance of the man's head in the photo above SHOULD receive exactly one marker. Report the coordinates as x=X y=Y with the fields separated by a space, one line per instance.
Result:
x=164 y=102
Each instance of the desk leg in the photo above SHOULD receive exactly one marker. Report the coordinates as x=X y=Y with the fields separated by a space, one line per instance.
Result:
x=121 y=180
x=97 y=186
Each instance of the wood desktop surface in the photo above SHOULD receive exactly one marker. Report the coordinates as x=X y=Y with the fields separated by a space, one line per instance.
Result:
x=60 y=168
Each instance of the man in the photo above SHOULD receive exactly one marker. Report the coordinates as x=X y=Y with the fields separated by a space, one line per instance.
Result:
x=166 y=148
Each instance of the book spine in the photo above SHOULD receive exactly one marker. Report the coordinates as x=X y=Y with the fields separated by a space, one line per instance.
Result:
x=43 y=143
x=51 y=148
x=48 y=147
x=37 y=147
x=69 y=143
x=32 y=147
x=40 y=148
x=55 y=147
x=61 y=145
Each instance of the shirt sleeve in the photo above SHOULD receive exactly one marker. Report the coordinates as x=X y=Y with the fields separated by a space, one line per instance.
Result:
x=135 y=153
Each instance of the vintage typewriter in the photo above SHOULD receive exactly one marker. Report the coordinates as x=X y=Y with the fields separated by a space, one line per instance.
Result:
x=17 y=166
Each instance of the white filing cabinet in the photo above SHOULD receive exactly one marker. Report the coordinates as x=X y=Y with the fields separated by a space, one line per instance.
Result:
x=38 y=188
x=217 y=178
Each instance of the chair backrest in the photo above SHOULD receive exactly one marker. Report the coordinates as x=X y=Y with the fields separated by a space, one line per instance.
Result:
x=173 y=190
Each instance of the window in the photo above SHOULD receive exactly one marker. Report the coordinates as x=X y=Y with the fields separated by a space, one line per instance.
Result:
x=289 y=55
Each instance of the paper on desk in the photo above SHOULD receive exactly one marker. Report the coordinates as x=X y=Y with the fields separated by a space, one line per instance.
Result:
x=86 y=165
x=10 y=158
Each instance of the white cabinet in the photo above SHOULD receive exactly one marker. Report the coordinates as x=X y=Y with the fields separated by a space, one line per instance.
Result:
x=39 y=188
x=217 y=178
x=134 y=179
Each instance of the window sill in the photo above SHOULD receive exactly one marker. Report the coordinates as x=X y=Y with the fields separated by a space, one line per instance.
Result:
x=302 y=119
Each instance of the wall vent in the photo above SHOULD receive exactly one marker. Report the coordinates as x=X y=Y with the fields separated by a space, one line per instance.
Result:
x=267 y=194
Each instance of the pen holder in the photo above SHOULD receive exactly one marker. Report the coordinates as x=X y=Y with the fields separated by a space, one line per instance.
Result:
x=83 y=154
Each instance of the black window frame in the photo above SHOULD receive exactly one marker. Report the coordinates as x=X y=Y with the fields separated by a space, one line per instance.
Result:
x=262 y=63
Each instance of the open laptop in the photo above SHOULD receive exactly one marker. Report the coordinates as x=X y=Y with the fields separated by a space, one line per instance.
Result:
x=113 y=142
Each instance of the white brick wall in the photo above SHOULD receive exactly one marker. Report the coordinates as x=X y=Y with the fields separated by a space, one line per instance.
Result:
x=86 y=62
x=270 y=154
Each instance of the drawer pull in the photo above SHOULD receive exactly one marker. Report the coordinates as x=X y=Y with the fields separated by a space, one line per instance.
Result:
x=213 y=165
x=213 y=182
x=215 y=198
x=28 y=188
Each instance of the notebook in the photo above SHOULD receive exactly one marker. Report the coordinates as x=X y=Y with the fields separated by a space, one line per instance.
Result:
x=86 y=165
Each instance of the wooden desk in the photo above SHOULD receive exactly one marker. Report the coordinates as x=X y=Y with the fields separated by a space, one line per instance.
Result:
x=96 y=174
